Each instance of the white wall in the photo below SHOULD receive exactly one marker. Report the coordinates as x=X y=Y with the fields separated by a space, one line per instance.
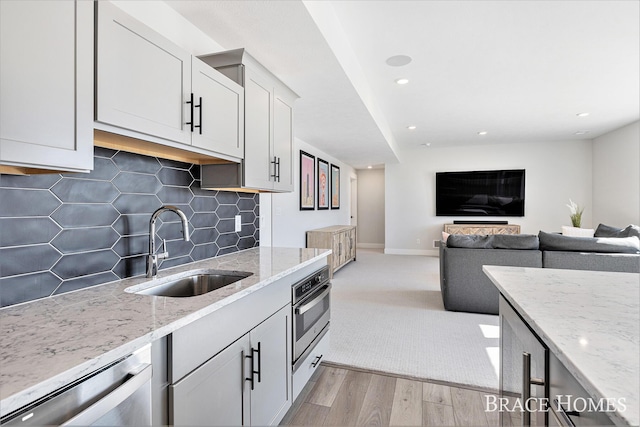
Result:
x=616 y=177
x=555 y=172
x=371 y=193
x=288 y=222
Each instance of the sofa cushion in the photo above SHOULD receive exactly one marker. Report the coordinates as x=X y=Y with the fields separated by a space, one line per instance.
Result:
x=494 y=241
x=558 y=242
x=609 y=231
x=516 y=241
x=470 y=241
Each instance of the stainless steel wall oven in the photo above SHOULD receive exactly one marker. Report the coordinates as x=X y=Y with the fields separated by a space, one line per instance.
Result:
x=311 y=309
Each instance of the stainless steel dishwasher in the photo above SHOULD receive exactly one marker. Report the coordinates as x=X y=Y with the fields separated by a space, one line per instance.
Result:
x=117 y=395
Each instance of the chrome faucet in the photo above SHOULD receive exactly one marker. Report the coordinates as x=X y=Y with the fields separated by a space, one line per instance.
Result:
x=153 y=258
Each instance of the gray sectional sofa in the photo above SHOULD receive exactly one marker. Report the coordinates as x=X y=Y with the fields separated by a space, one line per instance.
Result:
x=466 y=288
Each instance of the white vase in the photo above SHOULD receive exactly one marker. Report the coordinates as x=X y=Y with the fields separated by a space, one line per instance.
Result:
x=577 y=231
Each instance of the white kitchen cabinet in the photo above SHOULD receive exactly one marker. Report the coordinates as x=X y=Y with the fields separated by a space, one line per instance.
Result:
x=268 y=138
x=46 y=74
x=214 y=394
x=247 y=383
x=271 y=394
x=148 y=85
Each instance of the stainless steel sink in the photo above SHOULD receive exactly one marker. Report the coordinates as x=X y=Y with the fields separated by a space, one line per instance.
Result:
x=197 y=284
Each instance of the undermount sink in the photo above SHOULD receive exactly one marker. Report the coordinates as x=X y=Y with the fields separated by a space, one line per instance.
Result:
x=197 y=284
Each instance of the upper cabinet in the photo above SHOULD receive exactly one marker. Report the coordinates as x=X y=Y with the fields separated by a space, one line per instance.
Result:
x=268 y=139
x=46 y=75
x=149 y=86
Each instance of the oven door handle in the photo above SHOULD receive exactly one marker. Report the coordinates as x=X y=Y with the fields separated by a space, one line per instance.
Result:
x=314 y=300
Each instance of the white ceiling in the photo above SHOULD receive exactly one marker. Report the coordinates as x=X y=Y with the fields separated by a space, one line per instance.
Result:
x=520 y=70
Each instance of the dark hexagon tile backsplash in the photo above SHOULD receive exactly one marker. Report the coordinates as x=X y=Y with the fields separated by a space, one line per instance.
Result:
x=63 y=232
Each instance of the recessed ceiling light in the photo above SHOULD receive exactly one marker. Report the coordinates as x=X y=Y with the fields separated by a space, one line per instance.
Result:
x=428 y=144
x=398 y=60
x=402 y=81
x=483 y=132
x=582 y=114
x=582 y=132
x=412 y=127
x=369 y=167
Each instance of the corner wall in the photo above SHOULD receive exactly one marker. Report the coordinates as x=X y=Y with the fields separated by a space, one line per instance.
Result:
x=555 y=172
x=616 y=177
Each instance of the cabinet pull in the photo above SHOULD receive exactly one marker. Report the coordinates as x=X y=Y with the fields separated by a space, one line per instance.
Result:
x=278 y=166
x=275 y=170
x=199 y=107
x=527 y=381
x=564 y=414
x=190 y=102
x=316 y=361
x=253 y=366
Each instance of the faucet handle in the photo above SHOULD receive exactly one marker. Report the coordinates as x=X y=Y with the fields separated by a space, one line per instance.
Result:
x=164 y=254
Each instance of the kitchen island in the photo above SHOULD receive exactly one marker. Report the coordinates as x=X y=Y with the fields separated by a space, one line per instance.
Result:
x=49 y=343
x=589 y=321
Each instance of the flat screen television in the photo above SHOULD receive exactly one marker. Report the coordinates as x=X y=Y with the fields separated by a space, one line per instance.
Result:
x=480 y=193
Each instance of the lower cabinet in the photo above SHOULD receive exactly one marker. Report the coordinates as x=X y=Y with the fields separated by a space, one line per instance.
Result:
x=247 y=383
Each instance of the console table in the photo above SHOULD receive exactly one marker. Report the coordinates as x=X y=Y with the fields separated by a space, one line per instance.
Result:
x=341 y=239
x=482 y=229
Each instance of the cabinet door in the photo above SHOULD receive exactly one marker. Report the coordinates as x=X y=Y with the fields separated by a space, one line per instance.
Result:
x=271 y=396
x=521 y=351
x=352 y=244
x=258 y=163
x=215 y=394
x=283 y=143
x=218 y=110
x=46 y=75
x=143 y=80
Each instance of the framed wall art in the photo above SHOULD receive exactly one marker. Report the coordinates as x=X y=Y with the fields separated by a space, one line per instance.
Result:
x=323 y=184
x=335 y=187
x=307 y=181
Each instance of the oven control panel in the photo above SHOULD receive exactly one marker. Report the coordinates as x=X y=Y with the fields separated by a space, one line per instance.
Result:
x=310 y=283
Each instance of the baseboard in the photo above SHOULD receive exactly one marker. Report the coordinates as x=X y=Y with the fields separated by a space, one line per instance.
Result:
x=370 y=245
x=423 y=252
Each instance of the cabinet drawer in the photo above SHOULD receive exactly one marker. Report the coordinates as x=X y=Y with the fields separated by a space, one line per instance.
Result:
x=310 y=364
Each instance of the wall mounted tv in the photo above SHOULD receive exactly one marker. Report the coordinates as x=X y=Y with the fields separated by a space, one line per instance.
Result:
x=480 y=193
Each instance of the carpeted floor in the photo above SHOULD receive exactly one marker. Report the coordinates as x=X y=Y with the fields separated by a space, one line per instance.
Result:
x=387 y=316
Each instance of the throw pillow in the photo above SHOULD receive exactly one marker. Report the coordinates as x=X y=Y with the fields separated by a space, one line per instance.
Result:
x=558 y=242
x=608 y=231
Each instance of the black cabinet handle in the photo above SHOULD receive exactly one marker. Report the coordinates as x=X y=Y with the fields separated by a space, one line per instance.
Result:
x=316 y=361
x=199 y=107
x=253 y=366
x=274 y=162
x=190 y=102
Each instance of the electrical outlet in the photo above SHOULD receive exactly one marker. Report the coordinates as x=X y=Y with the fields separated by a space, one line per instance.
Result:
x=238 y=223
x=417 y=241
x=436 y=243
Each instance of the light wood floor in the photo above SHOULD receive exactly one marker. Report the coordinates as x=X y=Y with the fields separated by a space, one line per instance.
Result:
x=343 y=397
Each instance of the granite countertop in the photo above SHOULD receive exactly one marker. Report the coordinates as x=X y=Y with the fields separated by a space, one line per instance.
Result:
x=590 y=320
x=48 y=343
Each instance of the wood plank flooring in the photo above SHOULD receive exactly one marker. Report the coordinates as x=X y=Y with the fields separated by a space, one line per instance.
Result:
x=344 y=397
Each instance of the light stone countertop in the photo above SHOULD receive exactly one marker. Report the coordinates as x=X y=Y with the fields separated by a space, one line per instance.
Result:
x=48 y=343
x=590 y=320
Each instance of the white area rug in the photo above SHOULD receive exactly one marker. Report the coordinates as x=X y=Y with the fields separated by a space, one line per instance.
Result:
x=387 y=315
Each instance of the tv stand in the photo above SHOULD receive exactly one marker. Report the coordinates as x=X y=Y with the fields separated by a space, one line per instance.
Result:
x=480 y=228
